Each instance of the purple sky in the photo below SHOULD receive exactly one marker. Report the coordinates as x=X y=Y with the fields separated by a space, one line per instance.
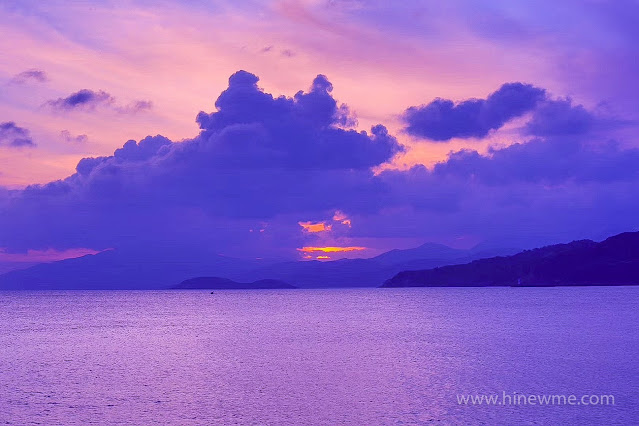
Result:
x=366 y=125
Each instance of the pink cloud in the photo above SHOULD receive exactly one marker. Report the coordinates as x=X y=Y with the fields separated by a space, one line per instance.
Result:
x=43 y=256
x=179 y=57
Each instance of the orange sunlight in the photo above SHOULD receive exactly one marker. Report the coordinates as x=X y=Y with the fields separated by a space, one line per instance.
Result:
x=315 y=227
x=342 y=218
x=329 y=249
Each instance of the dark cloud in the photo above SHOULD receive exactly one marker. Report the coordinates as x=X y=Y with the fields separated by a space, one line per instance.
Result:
x=267 y=163
x=442 y=119
x=14 y=136
x=524 y=195
x=82 y=99
x=256 y=157
x=34 y=75
x=89 y=100
x=252 y=129
x=545 y=161
x=560 y=118
x=146 y=149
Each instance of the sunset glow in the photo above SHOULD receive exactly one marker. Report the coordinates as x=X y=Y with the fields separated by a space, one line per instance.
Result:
x=251 y=212
x=330 y=249
x=48 y=255
x=315 y=227
x=258 y=128
x=342 y=218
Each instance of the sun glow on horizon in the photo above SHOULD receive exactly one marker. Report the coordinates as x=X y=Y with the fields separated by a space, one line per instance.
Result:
x=330 y=249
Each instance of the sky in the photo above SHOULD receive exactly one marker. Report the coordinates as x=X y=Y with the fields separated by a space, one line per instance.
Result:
x=314 y=129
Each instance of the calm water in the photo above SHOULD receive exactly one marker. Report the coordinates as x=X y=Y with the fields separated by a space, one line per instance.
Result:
x=376 y=356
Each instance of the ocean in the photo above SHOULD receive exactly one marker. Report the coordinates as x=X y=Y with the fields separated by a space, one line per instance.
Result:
x=321 y=357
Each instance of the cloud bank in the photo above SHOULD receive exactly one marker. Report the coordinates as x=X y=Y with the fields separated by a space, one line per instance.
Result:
x=255 y=158
x=270 y=175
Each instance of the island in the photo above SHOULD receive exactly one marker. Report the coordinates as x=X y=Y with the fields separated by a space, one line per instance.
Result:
x=614 y=261
x=217 y=283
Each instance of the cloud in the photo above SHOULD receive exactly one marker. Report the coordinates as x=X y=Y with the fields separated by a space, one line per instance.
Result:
x=90 y=100
x=13 y=136
x=251 y=129
x=82 y=99
x=264 y=168
x=315 y=227
x=30 y=75
x=257 y=158
x=341 y=217
x=442 y=119
x=545 y=161
x=68 y=137
x=135 y=107
x=560 y=118
x=48 y=255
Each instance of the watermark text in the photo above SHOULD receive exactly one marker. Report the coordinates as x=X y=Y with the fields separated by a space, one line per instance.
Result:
x=522 y=399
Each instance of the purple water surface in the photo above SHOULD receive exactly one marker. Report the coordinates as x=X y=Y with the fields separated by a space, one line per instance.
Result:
x=365 y=356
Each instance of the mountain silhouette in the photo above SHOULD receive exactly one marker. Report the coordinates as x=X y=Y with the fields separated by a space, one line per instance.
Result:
x=213 y=283
x=614 y=261
x=158 y=267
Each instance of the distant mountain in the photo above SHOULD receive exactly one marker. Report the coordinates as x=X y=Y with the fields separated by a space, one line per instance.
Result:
x=431 y=251
x=157 y=267
x=128 y=268
x=217 y=283
x=614 y=261
x=363 y=272
x=14 y=266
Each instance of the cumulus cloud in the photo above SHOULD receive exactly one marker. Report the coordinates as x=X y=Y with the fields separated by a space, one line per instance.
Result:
x=288 y=166
x=561 y=118
x=14 y=136
x=256 y=157
x=443 y=119
x=252 y=129
x=90 y=100
x=30 y=75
